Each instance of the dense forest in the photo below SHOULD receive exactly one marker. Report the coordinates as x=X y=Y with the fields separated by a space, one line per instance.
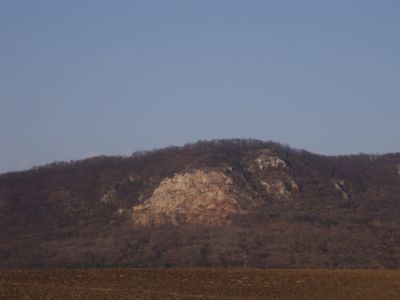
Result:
x=279 y=207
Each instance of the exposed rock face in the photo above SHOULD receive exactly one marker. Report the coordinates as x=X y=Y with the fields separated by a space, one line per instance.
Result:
x=272 y=174
x=280 y=189
x=340 y=187
x=266 y=161
x=110 y=197
x=198 y=197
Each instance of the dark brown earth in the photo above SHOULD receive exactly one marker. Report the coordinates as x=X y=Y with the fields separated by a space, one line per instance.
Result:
x=199 y=284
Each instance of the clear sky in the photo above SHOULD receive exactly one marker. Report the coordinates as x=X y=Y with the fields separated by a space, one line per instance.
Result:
x=82 y=78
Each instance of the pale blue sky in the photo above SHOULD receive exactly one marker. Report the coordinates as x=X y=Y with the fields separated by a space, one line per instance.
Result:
x=79 y=78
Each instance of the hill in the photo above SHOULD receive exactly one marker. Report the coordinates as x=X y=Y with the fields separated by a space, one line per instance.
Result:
x=211 y=203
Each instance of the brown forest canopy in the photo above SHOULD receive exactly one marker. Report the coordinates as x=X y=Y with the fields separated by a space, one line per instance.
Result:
x=295 y=209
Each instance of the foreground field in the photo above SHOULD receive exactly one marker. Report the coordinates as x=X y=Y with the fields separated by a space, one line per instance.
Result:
x=199 y=283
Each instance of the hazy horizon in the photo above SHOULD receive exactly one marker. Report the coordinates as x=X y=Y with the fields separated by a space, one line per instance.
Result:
x=87 y=78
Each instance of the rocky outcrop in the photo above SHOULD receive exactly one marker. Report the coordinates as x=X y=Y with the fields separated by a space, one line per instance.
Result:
x=266 y=160
x=197 y=197
x=280 y=188
x=272 y=174
x=340 y=187
x=109 y=197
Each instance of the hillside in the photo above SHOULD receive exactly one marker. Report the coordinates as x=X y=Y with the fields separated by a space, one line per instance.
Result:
x=205 y=204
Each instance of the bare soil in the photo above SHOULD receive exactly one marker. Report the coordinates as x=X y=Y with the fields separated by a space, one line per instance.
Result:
x=199 y=284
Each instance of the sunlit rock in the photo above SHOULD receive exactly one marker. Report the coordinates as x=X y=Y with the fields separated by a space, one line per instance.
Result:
x=340 y=188
x=110 y=197
x=197 y=197
x=279 y=188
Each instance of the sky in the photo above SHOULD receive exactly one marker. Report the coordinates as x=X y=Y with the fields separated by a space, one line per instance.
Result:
x=81 y=78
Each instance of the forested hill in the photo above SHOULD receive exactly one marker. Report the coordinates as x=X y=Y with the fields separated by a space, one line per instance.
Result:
x=205 y=204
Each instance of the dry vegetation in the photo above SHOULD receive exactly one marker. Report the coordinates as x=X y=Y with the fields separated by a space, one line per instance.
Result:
x=297 y=210
x=199 y=283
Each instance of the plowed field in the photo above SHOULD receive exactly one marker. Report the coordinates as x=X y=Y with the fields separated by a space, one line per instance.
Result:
x=199 y=284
